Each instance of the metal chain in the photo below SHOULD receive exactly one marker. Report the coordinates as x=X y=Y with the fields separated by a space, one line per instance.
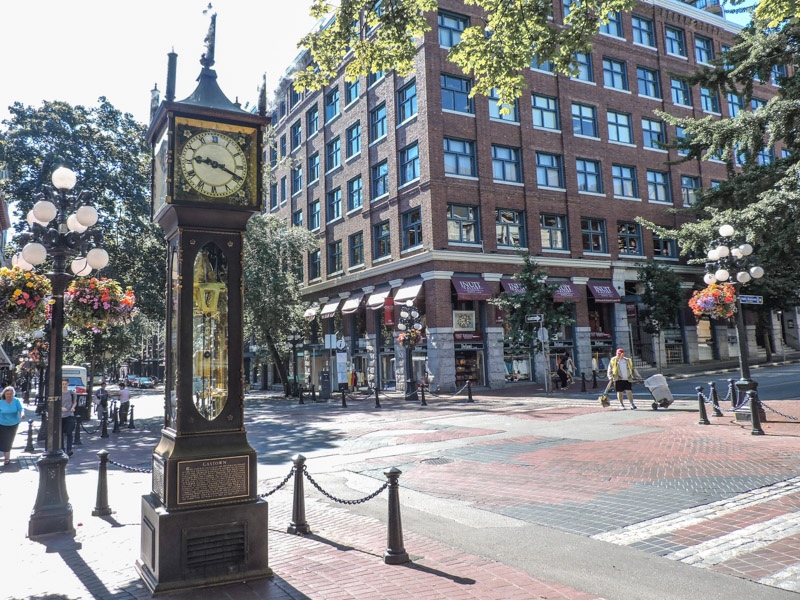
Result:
x=339 y=500
x=777 y=412
x=129 y=468
x=279 y=486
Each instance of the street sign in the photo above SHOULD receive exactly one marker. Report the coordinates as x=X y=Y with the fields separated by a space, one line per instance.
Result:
x=744 y=299
x=534 y=318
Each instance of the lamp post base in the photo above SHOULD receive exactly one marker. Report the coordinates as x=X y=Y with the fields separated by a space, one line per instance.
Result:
x=52 y=512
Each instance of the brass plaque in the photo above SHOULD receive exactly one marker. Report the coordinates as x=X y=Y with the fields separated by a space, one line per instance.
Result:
x=210 y=479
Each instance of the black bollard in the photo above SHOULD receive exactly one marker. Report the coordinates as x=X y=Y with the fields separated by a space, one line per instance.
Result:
x=377 y=398
x=715 y=399
x=422 y=395
x=755 y=413
x=733 y=392
x=702 y=404
x=469 y=391
x=101 y=508
x=104 y=425
x=76 y=437
x=115 y=417
x=299 y=525
x=29 y=446
x=131 y=425
x=300 y=393
x=313 y=393
x=583 y=382
x=395 y=552
x=344 y=401
x=594 y=380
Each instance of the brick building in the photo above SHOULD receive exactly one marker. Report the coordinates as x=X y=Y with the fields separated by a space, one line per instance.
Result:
x=418 y=192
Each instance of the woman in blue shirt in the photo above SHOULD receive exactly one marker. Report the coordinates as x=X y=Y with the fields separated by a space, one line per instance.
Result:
x=10 y=416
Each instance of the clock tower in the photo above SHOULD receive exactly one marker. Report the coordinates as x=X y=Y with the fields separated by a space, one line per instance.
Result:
x=203 y=522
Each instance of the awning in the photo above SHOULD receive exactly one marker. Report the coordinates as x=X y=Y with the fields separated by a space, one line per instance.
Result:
x=512 y=286
x=471 y=288
x=330 y=308
x=376 y=299
x=311 y=312
x=603 y=292
x=351 y=304
x=566 y=292
x=408 y=291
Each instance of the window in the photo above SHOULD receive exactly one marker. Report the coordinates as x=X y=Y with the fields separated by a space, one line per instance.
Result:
x=664 y=248
x=506 y=165
x=549 y=170
x=334 y=205
x=283 y=189
x=412 y=228
x=380 y=180
x=273 y=196
x=353 y=139
x=294 y=97
x=593 y=235
x=356 y=243
x=675 y=40
x=355 y=193
x=681 y=94
x=451 y=26
x=629 y=237
x=407 y=102
x=648 y=82
x=381 y=240
x=313 y=167
x=554 y=232
x=313 y=215
x=495 y=109
x=709 y=101
x=462 y=224
x=296 y=135
x=510 y=227
x=459 y=157
x=583 y=63
x=377 y=123
x=643 y=31
x=653 y=135
x=619 y=128
x=614 y=25
x=314 y=264
x=352 y=89
x=332 y=104
x=335 y=257
x=624 y=178
x=409 y=163
x=333 y=154
x=658 y=187
x=545 y=112
x=312 y=120
x=689 y=187
x=703 y=49
x=455 y=94
x=373 y=78
x=297 y=180
x=584 y=120
x=589 y=179
x=283 y=145
x=615 y=74
x=735 y=104
x=297 y=218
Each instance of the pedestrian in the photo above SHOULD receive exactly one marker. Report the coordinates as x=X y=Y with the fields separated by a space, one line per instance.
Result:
x=68 y=403
x=11 y=413
x=622 y=372
x=101 y=401
x=124 y=402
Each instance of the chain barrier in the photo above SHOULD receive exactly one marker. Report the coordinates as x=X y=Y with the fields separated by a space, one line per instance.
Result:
x=279 y=486
x=129 y=468
x=339 y=500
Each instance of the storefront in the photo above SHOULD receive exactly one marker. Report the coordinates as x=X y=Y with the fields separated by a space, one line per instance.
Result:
x=602 y=297
x=469 y=312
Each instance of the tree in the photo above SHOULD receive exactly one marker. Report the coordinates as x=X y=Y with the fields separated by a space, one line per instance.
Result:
x=495 y=50
x=662 y=298
x=273 y=261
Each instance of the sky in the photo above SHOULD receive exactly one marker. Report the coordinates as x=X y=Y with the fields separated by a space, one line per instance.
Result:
x=79 y=50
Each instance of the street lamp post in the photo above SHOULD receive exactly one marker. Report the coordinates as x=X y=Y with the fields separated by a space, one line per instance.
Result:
x=410 y=326
x=726 y=257
x=293 y=341
x=60 y=228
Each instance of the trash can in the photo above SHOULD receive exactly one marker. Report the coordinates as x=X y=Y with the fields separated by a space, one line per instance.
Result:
x=324 y=388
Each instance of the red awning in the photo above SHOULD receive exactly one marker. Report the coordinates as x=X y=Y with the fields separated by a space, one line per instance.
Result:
x=512 y=286
x=566 y=292
x=603 y=292
x=471 y=288
x=352 y=303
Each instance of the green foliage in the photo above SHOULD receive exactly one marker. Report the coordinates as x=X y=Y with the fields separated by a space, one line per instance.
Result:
x=537 y=299
x=661 y=296
x=495 y=50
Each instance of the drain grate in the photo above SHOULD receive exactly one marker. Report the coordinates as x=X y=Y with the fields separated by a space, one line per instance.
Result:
x=436 y=461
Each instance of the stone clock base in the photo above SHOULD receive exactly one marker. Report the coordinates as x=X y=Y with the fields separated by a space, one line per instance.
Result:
x=201 y=547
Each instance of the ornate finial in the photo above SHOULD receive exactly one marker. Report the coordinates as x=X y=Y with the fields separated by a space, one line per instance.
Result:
x=207 y=60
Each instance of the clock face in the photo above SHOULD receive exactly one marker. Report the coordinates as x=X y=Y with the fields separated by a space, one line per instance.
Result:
x=214 y=164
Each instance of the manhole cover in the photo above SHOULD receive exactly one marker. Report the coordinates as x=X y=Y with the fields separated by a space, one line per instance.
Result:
x=436 y=461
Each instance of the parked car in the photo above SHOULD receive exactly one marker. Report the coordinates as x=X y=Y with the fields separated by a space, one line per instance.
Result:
x=146 y=383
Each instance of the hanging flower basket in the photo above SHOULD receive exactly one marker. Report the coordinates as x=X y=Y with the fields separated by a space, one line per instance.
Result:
x=410 y=338
x=23 y=296
x=717 y=301
x=92 y=303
